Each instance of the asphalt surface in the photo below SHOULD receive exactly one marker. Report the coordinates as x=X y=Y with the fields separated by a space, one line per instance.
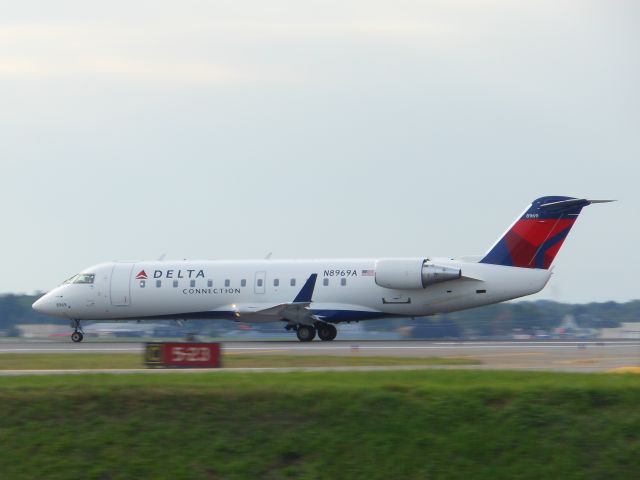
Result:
x=574 y=356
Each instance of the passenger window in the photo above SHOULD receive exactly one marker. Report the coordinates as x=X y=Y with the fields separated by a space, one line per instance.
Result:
x=343 y=282
x=325 y=282
x=276 y=282
x=259 y=282
x=192 y=283
x=158 y=283
x=209 y=283
x=142 y=283
x=243 y=282
x=293 y=282
x=175 y=284
x=227 y=283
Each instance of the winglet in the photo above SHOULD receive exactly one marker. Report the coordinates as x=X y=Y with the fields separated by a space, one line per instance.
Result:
x=304 y=296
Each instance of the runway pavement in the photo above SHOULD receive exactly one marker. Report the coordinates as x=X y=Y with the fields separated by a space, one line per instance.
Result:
x=582 y=356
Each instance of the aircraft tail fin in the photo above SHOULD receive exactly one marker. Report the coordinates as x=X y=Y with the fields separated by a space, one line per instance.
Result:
x=535 y=238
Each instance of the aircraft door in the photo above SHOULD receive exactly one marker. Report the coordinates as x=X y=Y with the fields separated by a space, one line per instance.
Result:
x=121 y=284
x=260 y=282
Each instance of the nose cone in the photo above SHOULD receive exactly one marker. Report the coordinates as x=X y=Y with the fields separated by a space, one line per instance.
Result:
x=43 y=304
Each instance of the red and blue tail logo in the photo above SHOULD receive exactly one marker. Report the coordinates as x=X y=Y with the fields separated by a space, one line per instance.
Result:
x=534 y=240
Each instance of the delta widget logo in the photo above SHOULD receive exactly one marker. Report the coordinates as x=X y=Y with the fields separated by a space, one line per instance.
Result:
x=141 y=275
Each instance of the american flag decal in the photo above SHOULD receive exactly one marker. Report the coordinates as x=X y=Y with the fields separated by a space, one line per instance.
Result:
x=368 y=273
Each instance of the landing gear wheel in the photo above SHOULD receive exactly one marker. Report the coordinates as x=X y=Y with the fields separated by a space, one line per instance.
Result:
x=306 y=333
x=77 y=337
x=327 y=332
x=334 y=332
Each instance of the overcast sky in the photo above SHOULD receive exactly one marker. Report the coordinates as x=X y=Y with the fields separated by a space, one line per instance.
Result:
x=230 y=129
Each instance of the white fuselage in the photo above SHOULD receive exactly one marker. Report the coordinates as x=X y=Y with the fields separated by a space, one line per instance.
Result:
x=345 y=290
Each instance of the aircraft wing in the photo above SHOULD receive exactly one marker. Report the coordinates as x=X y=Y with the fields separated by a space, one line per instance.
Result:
x=293 y=312
x=297 y=311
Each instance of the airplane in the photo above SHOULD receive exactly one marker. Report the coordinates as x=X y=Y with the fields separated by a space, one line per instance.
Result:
x=312 y=296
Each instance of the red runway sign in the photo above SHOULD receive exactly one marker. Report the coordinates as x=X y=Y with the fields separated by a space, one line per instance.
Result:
x=183 y=355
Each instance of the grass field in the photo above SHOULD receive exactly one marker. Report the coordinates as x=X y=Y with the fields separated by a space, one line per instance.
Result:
x=374 y=425
x=66 y=361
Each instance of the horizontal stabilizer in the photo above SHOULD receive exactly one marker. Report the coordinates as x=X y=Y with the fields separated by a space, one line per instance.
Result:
x=570 y=203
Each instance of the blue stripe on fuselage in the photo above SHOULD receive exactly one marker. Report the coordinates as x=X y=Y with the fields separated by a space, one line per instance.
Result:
x=332 y=316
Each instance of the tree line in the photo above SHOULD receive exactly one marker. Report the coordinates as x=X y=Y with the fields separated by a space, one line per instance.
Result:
x=500 y=319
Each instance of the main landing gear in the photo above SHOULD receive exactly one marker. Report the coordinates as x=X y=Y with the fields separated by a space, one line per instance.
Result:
x=77 y=335
x=326 y=332
x=306 y=333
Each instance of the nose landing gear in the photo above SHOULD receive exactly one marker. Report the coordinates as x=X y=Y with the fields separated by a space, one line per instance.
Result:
x=77 y=335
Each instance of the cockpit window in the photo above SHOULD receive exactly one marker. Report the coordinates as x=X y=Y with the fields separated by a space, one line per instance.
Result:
x=81 y=278
x=84 y=278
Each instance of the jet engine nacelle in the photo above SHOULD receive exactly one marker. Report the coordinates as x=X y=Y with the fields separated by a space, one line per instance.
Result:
x=412 y=273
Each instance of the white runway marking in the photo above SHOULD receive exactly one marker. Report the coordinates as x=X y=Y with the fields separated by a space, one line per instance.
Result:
x=319 y=347
x=70 y=350
x=412 y=347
